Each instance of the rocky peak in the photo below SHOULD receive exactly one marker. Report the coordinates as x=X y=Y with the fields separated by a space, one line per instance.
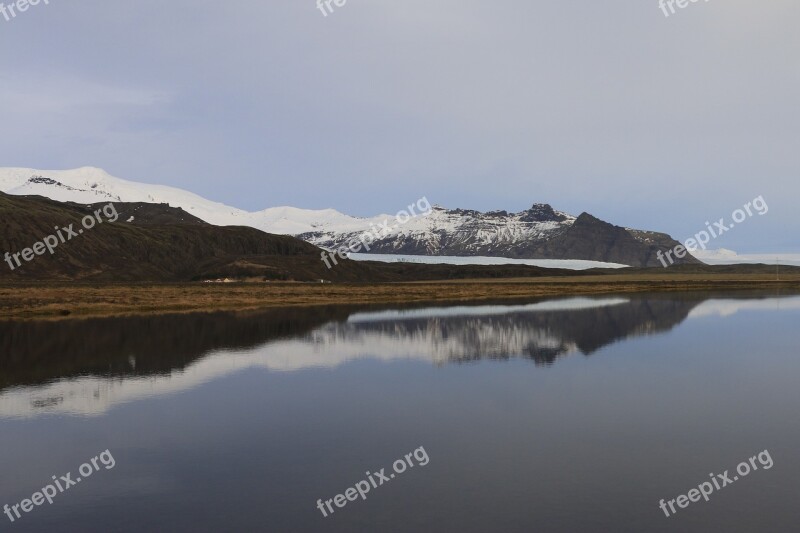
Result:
x=542 y=213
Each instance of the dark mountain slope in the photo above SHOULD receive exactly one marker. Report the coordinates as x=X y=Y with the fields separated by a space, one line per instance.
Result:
x=593 y=239
x=160 y=244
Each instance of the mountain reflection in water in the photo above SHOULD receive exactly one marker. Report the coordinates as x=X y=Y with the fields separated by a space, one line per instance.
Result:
x=87 y=366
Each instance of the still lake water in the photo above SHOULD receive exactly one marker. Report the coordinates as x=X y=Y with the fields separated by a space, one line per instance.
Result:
x=559 y=416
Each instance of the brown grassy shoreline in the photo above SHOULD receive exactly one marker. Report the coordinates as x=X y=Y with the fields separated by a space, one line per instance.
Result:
x=73 y=300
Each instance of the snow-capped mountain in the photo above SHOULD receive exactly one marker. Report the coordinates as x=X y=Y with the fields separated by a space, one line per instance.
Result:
x=540 y=232
x=458 y=232
x=94 y=185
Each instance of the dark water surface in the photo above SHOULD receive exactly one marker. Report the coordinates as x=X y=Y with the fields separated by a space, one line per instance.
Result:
x=561 y=416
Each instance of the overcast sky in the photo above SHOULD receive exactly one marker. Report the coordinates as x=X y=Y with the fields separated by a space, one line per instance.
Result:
x=601 y=106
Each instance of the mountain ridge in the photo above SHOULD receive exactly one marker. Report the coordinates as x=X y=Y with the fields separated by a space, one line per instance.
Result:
x=540 y=232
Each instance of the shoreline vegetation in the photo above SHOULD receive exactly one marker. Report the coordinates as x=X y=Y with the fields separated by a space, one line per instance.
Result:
x=70 y=300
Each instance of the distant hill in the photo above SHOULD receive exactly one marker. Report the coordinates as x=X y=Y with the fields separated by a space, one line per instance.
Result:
x=540 y=232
